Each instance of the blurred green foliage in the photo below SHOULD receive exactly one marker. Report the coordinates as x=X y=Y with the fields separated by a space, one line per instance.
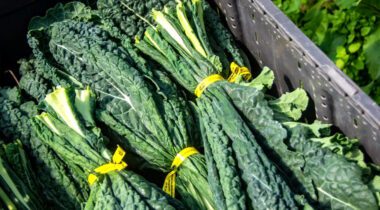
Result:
x=348 y=31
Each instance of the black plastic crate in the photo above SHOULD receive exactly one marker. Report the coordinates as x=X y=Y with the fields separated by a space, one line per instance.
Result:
x=277 y=43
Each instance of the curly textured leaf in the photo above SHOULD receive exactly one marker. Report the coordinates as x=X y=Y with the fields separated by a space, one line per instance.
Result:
x=32 y=82
x=263 y=81
x=265 y=188
x=338 y=182
x=290 y=105
x=59 y=13
x=224 y=175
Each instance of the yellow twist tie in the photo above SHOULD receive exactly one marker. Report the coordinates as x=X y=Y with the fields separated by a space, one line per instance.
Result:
x=117 y=164
x=237 y=70
x=206 y=82
x=169 y=183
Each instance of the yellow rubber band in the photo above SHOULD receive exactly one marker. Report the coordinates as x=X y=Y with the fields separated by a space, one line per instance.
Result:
x=237 y=70
x=169 y=183
x=117 y=164
x=206 y=82
x=182 y=155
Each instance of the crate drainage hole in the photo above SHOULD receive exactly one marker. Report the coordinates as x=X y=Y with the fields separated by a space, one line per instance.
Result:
x=325 y=117
x=253 y=17
x=324 y=104
x=355 y=123
x=299 y=64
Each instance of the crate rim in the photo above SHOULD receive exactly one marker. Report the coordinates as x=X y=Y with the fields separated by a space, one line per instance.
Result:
x=353 y=97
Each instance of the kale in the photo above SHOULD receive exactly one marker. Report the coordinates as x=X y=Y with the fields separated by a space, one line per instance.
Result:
x=66 y=127
x=60 y=187
x=189 y=60
x=145 y=111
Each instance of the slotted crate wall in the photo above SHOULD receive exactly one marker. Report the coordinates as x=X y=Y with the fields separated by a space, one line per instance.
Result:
x=277 y=43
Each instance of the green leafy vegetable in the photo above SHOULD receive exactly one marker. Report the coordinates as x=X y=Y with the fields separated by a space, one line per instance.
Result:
x=84 y=150
x=170 y=46
x=86 y=72
x=343 y=189
x=252 y=169
x=290 y=105
x=145 y=112
x=263 y=81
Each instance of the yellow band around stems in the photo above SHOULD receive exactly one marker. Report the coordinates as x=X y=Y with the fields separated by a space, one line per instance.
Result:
x=169 y=183
x=236 y=71
x=206 y=82
x=117 y=164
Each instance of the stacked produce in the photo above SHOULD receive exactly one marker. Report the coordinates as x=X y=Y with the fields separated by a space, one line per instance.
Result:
x=152 y=78
x=347 y=31
x=144 y=112
x=179 y=43
x=68 y=128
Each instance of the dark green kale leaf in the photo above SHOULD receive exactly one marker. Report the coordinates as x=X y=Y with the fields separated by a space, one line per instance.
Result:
x=58 y=184
x=338 y=183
